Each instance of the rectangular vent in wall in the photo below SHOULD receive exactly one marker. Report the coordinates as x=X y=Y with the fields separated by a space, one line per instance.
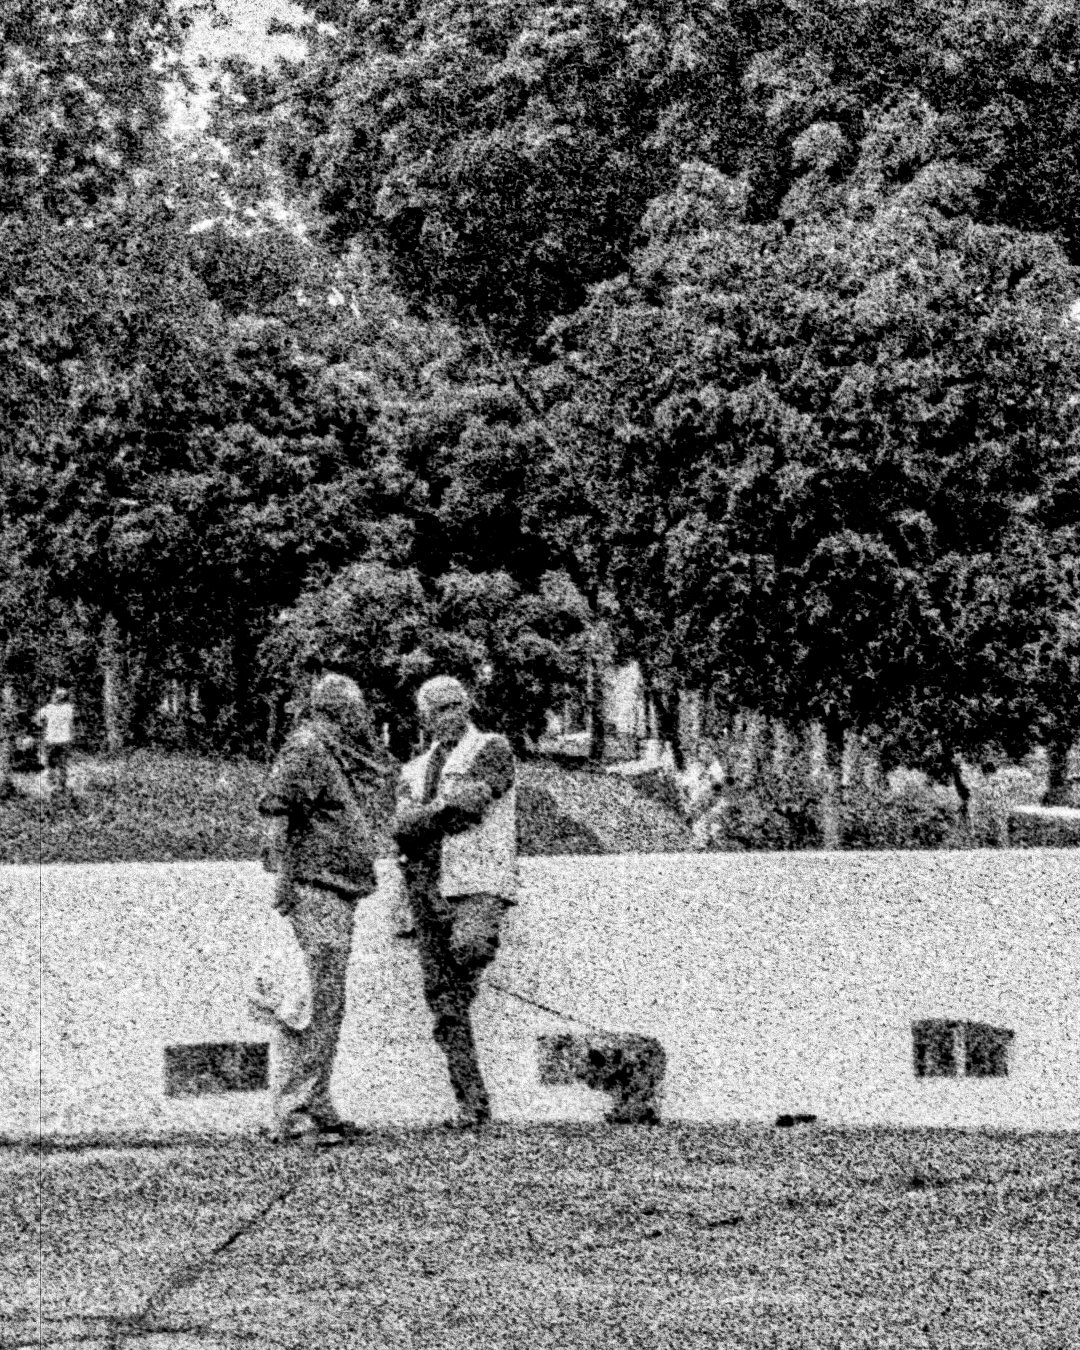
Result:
x=948 y=1049
x=214 y=1067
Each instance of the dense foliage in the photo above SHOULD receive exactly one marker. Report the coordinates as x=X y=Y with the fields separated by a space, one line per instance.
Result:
x=736 y=330
x=817 y=455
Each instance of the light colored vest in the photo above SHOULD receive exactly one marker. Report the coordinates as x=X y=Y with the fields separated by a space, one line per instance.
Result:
x=483 y=858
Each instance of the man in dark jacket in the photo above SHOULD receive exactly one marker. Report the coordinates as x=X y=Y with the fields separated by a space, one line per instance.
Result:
x=327 y=798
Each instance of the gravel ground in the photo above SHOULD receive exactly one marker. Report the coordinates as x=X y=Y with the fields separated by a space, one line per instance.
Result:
x=557 y=1237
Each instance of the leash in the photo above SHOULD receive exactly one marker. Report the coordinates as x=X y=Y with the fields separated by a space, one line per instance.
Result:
x=535 y=1004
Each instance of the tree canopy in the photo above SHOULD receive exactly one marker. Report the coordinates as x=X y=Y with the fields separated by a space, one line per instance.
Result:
x=816 y=449
x=501 y=154
x=740 y=329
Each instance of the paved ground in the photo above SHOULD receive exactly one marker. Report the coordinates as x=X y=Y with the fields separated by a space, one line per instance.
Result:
x=557 y=1237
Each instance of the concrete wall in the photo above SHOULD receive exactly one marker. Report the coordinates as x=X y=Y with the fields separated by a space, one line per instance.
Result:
x=777 y=983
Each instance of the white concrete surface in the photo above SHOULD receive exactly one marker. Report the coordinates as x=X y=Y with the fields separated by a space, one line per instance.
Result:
x=777 y=983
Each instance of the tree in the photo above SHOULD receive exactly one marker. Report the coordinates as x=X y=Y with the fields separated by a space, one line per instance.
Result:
x=80 y=102
x=1001 y=75
x=391 y=628
x=809 y=451
x=1053 y=658
x=197 y=446
x=502 y=153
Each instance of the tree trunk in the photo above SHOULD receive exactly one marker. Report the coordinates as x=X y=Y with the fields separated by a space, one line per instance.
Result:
x=595 y=711
x=723 y=741
x=800 y=761
x=112 y=683
x=832 y=805
x=1057 y=778
x=142 y=693
x=741 y=764
x=871 y=769
x=962 y=791
x=764 y=746
x=190 y=718
x=273 y=721
x=667 y=725
x=709 y=717
x=7 y=738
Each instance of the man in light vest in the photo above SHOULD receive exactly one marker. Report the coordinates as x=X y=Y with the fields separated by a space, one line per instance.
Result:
x=455 y=827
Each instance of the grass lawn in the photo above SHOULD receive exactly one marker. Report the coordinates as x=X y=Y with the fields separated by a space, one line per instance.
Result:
x=159 y=807
x=560 y=1237
x=145 y=808
x=156 y=807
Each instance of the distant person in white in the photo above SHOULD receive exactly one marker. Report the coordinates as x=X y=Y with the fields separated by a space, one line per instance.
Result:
x=57 y=722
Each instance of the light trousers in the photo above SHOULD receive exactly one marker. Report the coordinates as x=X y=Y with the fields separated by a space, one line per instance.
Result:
x=323 y=924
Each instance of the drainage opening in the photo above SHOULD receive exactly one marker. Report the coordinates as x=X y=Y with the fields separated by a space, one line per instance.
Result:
x=943 y=1048
x=214 y=1067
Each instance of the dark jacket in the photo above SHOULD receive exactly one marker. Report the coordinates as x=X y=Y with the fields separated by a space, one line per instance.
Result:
x=330 y=813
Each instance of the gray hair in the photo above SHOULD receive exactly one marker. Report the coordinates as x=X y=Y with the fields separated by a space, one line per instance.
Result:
x=335 y=694
x=442 y=687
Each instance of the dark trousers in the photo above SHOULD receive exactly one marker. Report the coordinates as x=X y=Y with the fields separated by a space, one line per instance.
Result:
x=57 y=758
x=456 y=939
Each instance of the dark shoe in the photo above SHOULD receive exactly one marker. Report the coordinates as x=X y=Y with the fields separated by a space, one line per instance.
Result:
x=328 y=1139
x=634 y=1116
x=295 y=1134
x=467 y=1121
x=340 y=1130
x=310 y=1138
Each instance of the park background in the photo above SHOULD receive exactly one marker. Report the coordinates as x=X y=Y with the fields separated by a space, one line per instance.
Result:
x=530 y=340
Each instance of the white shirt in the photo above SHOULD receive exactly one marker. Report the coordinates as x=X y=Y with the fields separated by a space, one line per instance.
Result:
x=59 y=722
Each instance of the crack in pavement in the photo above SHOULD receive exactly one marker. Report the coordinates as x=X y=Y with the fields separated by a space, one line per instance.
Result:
x=116 y=1328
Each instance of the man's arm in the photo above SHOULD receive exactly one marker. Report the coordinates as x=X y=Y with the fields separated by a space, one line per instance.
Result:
x=460 y=802
x=417 y=824
x=494 y=765
x=467 y=798
x=297 y=786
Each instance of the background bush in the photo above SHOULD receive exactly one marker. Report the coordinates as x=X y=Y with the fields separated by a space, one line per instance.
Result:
x=912 y=816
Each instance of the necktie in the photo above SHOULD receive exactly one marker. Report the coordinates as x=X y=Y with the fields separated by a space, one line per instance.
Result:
x=436 y=764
